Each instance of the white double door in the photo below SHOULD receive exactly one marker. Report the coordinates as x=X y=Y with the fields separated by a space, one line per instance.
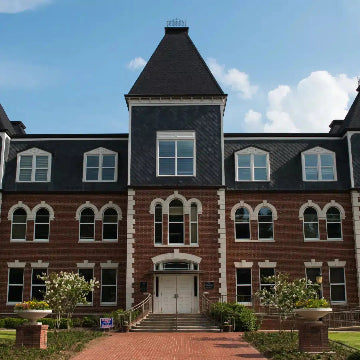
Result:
x=177 y=294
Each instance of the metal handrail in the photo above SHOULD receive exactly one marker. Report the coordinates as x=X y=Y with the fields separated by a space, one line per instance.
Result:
x=145 y=306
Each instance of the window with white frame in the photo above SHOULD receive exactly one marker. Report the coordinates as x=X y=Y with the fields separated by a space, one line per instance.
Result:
x=110 y=224
x=176 y=153
x=33 y=165
x=15 y=285
x=252 y=164
x=319 y=165
x=337 y=285
x=243 y=285
x=100 y=165
x=333 y=224
x=193 y=224
x=42 y=225
x=108 y=286
x=158 y=224
x=312 y=273
x=242 y=224
x=265 y=224
x=19 y=224
x=38 y=287
x=311 y=224
x=87 y=224
x=88 y=274
x=176 y=222
x=265 y=282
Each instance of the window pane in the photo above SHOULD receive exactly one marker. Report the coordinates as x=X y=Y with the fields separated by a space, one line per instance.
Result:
x=25 y=175
x=185 y=167
x=108 y=294
x=41 y=231
x=167 y=166
x=92 y=161
x=337 y=275
x=242 y=215
x=18 y=231
x=242 y=231
x=16 y=276
x=38 y=292
x=327 y=173
x=108 y=277
x=265 y=214
x=92 y=174
x=108 y=174
x=185 y=148
x=41 y=174
x=266 y=272
x=338 y=293
x=19 y=216
x=193 y=234
x=158 y=233
x=86 y=231
x=193 y=212
x=87 y=216
x=311 y=160
x=311 y=174
x=312 y=273
x=176 y=233
x=260 y=160
x=42 y=216
x=265 y=230
x=25 y=161
x=244 y=174
x=110 y=216
x=110 y=231
x=35 y=279
x=333 y=214
x=42 y=161
x=310 y=214
x=334 y=230
x=108 y=161
x=243 y=276
x=244 y=160
x=260 y=174
x=311 y=231
x=158 y=213
x=326 y=160
x=243 y=294
x=86 y=273
x=166 y=148
x=15 y=294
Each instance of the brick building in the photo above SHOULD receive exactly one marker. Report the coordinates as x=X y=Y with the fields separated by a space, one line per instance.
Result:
x=176 y=206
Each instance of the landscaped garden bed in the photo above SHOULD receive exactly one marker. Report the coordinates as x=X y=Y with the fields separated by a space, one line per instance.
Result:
x=61 y=345
x=284 y=346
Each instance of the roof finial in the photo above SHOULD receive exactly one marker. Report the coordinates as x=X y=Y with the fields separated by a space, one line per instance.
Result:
x=176 y=23
x=358 y=88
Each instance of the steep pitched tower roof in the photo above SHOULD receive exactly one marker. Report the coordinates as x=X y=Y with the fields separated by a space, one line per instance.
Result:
x=352 y=119
x=176 y=69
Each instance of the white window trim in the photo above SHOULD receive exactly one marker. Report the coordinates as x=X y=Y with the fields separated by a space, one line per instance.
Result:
x=48 y=238
x=11 y=214
x=247 y=303
x=175 y=136
x=116 y=283
x=33 y=152
x=183 y=222
x=8 y=283
x=318 y=226
x=334 y=222
x=87 y=267
x=318 y=151
x=252 y=151
x=94 y=224
x=249 y=222
x=100 y=152
x=112 y=223
x=266 y=222
x=321 y=274
x=344 y=283
x=32 y=273
x=158 y=222
x=196 y=222
x=266 y=284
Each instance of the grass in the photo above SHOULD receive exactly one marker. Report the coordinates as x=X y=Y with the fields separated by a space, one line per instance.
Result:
x=284 y=346
x=346 y=337
x=61 y=346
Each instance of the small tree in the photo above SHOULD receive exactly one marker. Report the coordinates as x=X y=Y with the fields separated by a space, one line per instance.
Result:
x=285 y=293
x=64 y=291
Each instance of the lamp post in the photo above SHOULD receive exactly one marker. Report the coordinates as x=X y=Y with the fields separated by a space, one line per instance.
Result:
x=319 y=282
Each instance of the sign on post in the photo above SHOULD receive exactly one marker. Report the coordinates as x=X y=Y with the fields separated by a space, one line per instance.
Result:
x=106 y=323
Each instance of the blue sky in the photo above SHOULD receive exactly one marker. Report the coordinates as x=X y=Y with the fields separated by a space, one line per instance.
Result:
x=286 y=65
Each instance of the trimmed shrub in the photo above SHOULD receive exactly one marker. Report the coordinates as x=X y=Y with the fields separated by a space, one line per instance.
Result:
x=91 y=321
x=77 y=322
x=13 y=323
x=245 y=318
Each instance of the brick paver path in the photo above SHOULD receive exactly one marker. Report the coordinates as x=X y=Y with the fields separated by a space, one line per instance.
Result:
x=170 y=346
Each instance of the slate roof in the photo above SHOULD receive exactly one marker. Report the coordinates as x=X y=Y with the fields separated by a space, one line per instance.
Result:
x=5 y=123
x=352 y=119
x=175 y=68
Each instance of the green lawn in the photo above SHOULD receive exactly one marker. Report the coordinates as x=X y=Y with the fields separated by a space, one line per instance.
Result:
x=7 y=334
x=346 y=337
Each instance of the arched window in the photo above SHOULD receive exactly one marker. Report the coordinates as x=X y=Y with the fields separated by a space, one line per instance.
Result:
x=158 y=226
x=110 y=224
x=193 y=224
x=176 y=222
x=333 y=224
x=87 y=224
x=18 y=228
x=242 y=224
x=42 y=225
x=311 y=224
x=265 y=223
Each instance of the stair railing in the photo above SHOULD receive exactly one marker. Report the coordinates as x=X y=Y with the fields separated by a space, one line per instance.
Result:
x=140 y=310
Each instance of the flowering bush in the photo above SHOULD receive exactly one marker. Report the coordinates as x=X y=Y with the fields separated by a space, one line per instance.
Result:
x=312 y=303
x=32 y=305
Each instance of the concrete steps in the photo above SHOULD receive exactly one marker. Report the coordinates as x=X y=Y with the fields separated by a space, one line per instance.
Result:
x=169 y=323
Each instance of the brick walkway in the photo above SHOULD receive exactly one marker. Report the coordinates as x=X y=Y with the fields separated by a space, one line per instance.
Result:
x=170 y=346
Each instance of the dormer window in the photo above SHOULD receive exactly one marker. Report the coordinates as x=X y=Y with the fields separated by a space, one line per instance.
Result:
x=252 y=164
x=33 y=165
x=176 y=153
x=100 y=165
x=318 y=164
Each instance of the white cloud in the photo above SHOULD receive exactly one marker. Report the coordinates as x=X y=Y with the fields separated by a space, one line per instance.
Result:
x=16 y=6
x=310 y=106
x=253 y=121
x=236 y=80
x=136 y=64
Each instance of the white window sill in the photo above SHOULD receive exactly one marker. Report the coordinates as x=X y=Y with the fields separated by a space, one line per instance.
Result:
x=325 y=240
x=82 y=305
x=319 y=180
x=86 y=240
x=244 y=181
x=338 y=302
x=18 y=240
x=334 y=239
x=109 y=240
x=98 y=181
x=41 y=241
x=13 y=303
x=312 y=240
x=255 y=241
x=245 y=303
x=29 y=182
x=176 y=175
x=175 y=245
